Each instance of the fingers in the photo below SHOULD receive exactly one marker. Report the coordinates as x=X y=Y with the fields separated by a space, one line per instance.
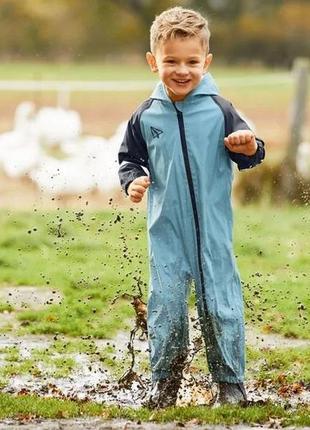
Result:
x=144 y=181
x=241 y=141
x=241 y=137
x=137 y=188
x=135 y=200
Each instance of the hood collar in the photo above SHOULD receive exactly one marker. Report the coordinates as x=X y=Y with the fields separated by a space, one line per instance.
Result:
x=207 y=86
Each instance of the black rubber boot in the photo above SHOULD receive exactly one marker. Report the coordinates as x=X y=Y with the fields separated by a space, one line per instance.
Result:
x=164 y=393
x=230 y=394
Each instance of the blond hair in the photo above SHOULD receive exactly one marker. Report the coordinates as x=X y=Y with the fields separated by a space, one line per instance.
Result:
x=179 y=22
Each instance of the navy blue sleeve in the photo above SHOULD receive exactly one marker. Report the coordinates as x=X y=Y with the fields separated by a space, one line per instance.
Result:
x=132 y=155
x=234 y=122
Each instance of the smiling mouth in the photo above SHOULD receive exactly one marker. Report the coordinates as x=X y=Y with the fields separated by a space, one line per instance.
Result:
x=182 y=81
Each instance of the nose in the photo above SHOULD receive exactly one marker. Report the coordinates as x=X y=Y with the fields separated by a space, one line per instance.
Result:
x=181 y=69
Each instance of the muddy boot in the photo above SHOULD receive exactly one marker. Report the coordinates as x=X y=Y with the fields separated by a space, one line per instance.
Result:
x=164 y=393
x=230 y=394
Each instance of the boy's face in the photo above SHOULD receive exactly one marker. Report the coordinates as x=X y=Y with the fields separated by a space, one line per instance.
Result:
x=180 y=63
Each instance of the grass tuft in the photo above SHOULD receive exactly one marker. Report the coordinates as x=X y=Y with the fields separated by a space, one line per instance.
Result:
x=19 y=406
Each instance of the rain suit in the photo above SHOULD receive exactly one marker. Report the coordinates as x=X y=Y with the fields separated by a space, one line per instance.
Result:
x=181 y=144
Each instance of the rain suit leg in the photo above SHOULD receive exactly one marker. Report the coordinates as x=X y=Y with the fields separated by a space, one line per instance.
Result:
x=175 y=261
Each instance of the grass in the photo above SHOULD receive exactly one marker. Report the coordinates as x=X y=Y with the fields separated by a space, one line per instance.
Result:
x=279 y=366
x=59 y=359
x=103 y=71
x=73 y=71
x=29 y=407
x=273 y=257
x=53 y=362
x=5 y=307
x=276 y=367
x=82 y=255
x=93 y=258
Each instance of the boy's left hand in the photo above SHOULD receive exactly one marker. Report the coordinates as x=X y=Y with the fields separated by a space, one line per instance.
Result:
x=242 y=142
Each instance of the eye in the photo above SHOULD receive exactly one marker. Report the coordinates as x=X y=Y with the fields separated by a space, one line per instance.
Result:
x=194 y=62
x=169 y=61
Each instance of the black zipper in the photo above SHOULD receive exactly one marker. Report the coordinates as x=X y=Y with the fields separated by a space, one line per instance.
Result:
x=191 y=191
x=208 y=320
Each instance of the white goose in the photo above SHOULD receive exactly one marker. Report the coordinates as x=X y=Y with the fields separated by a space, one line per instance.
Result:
x=56 y=125
x=63 y=177
x=91 y=161
x=19 y=149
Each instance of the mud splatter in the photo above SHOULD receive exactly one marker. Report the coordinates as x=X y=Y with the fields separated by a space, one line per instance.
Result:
x=26 y=296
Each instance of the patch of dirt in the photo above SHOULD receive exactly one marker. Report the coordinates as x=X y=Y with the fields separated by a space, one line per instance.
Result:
x=100 y=424
x=272 y=340
x=25 y=343
x=8 y=321
x=25 y=296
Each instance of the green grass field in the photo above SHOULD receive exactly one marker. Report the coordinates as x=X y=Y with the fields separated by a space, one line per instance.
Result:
x=107 y=71
x=26 y=408
x=94 y=257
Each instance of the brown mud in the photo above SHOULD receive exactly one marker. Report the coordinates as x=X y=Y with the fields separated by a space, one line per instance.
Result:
x=90 y=379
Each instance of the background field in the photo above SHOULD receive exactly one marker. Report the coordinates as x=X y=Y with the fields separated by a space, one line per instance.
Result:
x=264 y=95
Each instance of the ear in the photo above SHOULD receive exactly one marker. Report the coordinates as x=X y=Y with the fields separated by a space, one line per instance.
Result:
x=150 y=58
x=208 y=61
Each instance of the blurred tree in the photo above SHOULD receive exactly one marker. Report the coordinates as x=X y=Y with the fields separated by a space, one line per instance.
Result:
x=146 y=10
x=224 y=9
x=18 y=31
x=276 y=31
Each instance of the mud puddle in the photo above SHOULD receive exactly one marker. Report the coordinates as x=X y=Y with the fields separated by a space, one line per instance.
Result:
x=91 y=379
x=115 y=371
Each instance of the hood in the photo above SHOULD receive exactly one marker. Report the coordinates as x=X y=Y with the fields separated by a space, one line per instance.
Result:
x=207 y=86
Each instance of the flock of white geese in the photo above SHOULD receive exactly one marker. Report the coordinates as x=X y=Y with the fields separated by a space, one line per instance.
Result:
x=87 y=163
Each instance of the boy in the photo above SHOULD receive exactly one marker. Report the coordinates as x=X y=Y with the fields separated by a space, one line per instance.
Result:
x=179 y=144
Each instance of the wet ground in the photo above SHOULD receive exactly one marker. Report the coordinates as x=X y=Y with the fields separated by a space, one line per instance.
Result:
x=97 y=424
x=91 y=378
x=22 y=297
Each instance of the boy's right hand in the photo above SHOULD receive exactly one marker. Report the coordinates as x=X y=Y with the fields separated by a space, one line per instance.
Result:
x=137 y=188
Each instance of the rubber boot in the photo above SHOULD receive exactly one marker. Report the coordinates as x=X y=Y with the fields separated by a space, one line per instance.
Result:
x=164 y=393
x=230 y=394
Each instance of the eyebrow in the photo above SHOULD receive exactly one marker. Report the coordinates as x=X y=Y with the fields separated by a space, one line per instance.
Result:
x=192 y=57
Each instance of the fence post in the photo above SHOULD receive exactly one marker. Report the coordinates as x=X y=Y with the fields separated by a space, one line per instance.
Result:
x=300 y=71
x=289 y=181
x=63 y=97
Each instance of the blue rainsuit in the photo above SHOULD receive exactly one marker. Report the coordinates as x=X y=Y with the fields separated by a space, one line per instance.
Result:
x=181 y=144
